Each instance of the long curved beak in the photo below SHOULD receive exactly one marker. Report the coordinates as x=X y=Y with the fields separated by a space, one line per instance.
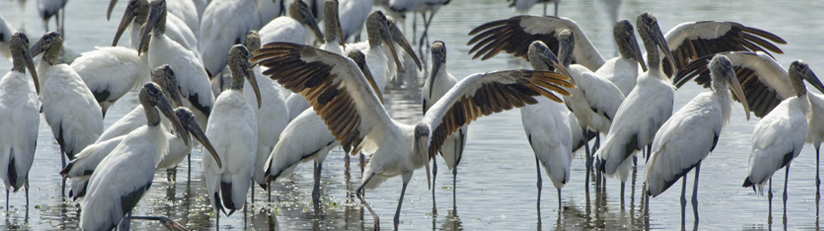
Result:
x=387 y=37
x=637 y=49
x=154 y=17
x=658 y=37
x=124 y=22
x=36 y=49
x=813 y=79
x=563 y=51
x=736 y=89
x=437 y=62
x=164 y=107
x=30 y=65
x=313 y=24
x=196 y=132
x=400 y=39
x=177 y=97
x=341 y=40
x=252 y=81
x=111 y=8
x=360 y=60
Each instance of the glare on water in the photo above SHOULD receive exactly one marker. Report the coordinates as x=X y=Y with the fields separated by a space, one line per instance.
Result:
x=496 y=181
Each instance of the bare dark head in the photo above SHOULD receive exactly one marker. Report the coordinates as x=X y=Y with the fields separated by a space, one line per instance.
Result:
x=654 y=40
x=723 y=77
x=332 y=23
x=136 y=10
x=165 y=77
x=374 y=24
x=566 y=46
x=22 y=57
x=624 y=35
x=301 y=12
x=422 y=147
x=239 y=65
x=252 y=41
x=800 y=71
x=192 y=128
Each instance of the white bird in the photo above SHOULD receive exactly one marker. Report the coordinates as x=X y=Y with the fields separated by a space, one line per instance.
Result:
x=266 y=11
x=124 y=176
x=691 y=133
x=272 y=115
x=353 y=15
x=419 y=6
x=623 y=70
x=6 y=31
x=232 y=128
x=550 y=127
x=69 y=106
x=19 y=116
x=523 y=6
x=181 y=10
x=136 y=15
x=111 y=72
x=437 y=84
x=299 y=27
x=306 y=138
x=333 y=39
x=644 y=110
x=779 y=137
x=340 y=94
x=688 y=41
x=224 y=23
x=383 y=41
x=191 y=76
x=49 y=8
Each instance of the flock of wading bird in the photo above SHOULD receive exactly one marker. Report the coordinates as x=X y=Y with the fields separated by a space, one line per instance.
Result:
x=311 y=92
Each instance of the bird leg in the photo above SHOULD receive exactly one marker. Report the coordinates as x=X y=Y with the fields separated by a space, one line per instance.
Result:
x=414 y=28
x=454 y=182
x=359 y=193
x=434 y=176
x=397 y=219
x=649 y=153
x=546 y=3
x=769 y=199
x=786 y=177
x=253 y=192
x=588 y=163
x=556 y=9
x=165 y=221
x=817 y=179
x=560 y=208
x=26 y=187
x=695 y=192
x=316 y=189
x=7 y=200
x=683 y=200
x=622 y=194
x=540 y=185
x=362 y=162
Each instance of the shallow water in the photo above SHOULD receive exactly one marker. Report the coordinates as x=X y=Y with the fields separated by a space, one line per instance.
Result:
x=496 y=187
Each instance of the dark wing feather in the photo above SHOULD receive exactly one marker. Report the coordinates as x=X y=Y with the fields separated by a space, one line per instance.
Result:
x=508 y=35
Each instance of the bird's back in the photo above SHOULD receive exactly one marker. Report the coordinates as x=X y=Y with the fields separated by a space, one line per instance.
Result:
x=71 y=109
x=777 y=139
x=548 y=131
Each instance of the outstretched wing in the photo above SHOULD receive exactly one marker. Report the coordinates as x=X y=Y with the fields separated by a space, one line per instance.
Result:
x=482 y=94
x=692 y=40
x=765 y=82
x=334 y=86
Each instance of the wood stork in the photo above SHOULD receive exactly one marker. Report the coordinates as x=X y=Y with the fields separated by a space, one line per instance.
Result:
x=191 y=76
x=623 y=70
x=691 y=133
x=299 y=27
x=19 y=113
x=266 y=11
x=549 y=127
x=111 y=72
x=353 y=15
x=125 y=175
x=385 y=37
x=689 y=41
x=232 y=128
x=419 y=6
x=80 y=168
x=180 y=9
x=69 y=106
x=307 y=138
x=437 y=84
x=224 y=24
x=333 y=39
x=49 y=8
x=779 y=137
x=135 y=16
x=6 y=32
x=646 y=107
x=523 y=6
x=272 y=115
x=766 y=84
x=341 y=96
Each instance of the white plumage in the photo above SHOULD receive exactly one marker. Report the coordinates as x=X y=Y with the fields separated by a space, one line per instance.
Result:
x=299 y=27
x=224 y=23
x=353 y=15
x=6 y=30
x=111 y=72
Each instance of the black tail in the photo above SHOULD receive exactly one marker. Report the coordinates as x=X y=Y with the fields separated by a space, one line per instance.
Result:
x=226 y=193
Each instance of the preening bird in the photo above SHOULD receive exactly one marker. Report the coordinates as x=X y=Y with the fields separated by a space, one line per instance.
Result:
x=19 y=115
x=691 y=133
x=644 y=110
x=122 y=178
x=779 y=137
x=191 y=76
x=341 y=96
x=69 y=106
x=232 y=128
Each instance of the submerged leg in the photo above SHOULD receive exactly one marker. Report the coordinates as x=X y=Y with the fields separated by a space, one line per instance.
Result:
x=695 y=192
x=683 y=200
x=588 y=163
x=454 y=183
x=397 y=220
x=546 y=3
x=817 y=178
x=556 y=9
x=540 y=185
x=560 y=207
x=359 y=194
x=316 y=188
x=434 y=176
x=7 y=200
x=786 y=177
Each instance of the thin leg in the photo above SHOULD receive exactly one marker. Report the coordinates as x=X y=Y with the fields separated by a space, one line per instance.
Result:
x=414 y=27
x=556 y=9
x=7 y=200
x=560 y=207
x=649 y=153
x=540 y=185
x=683 y=200
x=434 y=176
x=786 y=178
x=454 y=183
x=362 y=162
x=63 y=21
x=57 y=22
x=400 y=202
x=695 y=192
x=420 y=44
x=316 y=189
x=359 y=193
x=769 y=199
x=817 y=178
x=545 y=3
x=634 y=162
x=253 y=192
x=623 y=184
x=26 y=187
x=126 y=222
x=597 y=143
x=269 y=193
x=588 y=163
